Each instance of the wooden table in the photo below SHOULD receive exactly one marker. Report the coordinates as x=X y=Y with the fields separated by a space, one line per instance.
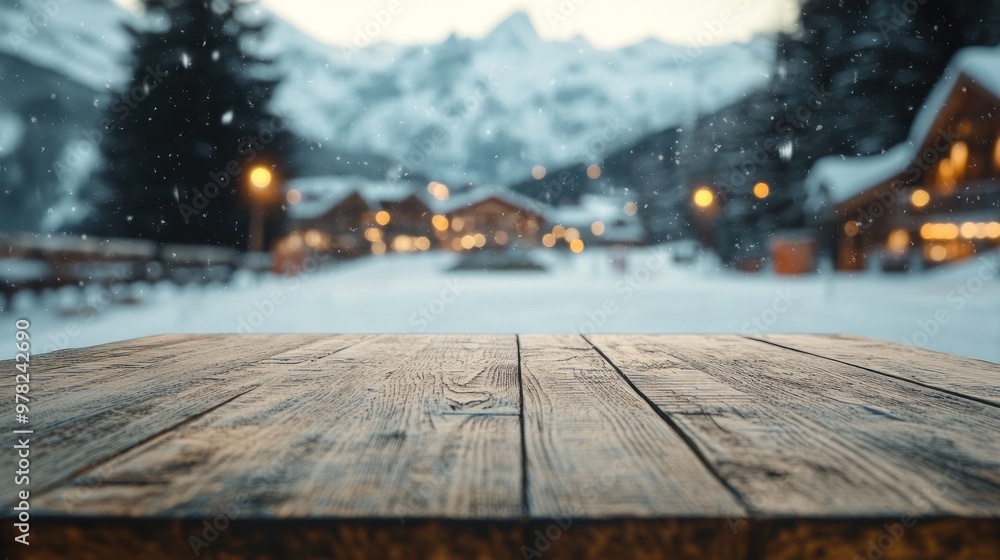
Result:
x=531 y=446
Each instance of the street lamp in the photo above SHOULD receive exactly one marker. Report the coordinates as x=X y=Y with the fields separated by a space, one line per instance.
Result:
x=260 y=179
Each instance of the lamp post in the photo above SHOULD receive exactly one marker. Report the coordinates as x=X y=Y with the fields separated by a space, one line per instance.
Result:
x=260 y=179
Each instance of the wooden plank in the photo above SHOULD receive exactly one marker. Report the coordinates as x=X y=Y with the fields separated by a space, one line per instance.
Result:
x=965 y=376
x=397 y=427
x=93 y=411
x=796 y=434
x=595 y=451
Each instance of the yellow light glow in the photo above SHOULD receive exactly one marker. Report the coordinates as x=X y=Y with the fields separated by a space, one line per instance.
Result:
x=981 y=231
x=402 y=243
x=993 y=230
x=594 y=171
x=457 y=224
x=260 y=177
x=382 y=218
x=314 y=238
x=468 y=242
x=597 y=228
x=378 y=248
x=852 y=228
x=479 y=239
x=439 y=222
x=946 y=173
x=630 y=208
x=899 y=241
x=549 y=240
x=959 y=158
x=576 y=246
x=423 y=243
x=927 y=231
x=968 y=230
x=572 y=234
x=703 y=197
x=438 y=190
x=920 y=198
x=538 y=172
x=761 y=190
x=938 y=253
x=293 y=196
x=948 y=231
x=996 y=156
x=373 y=234
x=500 y=237
x=941 y=231
x=559 y=231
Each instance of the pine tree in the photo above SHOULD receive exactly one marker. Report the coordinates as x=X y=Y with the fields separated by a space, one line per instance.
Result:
x=191 y=122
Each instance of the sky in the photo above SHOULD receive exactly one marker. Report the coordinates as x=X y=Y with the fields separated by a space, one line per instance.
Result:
x=605 y=23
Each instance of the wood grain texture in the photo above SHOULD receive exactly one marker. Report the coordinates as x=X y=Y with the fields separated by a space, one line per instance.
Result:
x=957 y=374
x=393 y=427
x=87 y=412
x=595 y=449
x=796 y=434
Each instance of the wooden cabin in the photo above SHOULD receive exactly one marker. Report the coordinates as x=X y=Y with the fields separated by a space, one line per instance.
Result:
x=931 y=200
x=488 y=218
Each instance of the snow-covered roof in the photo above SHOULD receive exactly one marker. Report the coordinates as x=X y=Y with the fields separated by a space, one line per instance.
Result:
x=320 y=194
x=609 y=210
x=836 y=179
x=479 y=194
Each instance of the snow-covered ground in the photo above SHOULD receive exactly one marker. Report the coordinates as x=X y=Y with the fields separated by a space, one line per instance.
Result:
x=955 y=309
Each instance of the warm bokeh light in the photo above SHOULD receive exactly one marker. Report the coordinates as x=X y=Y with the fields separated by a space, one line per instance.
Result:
x=576 y=246
x=597 y=228
x=937 y=253
x=456 y=244
x=968 y=230
x=440 y=222
x=382 y=218
x=939 y=231
x=538 y=172
x=260 y=177
x=899 y=241
x=423 y=243
x=373 y=234
x=293 y=196
x=457 y=224
x=468 y=242
x=594 y=171
x=438 y=190
x=920 y=198
x=572 y=234
x=996 y=155
x=402 y=243
x=549 y=240
x=378 y=248
x=500 y=237
x=959 y=158
x=704 y=197
x=630 y=208
x=852 y=228
x=559 y=231
x=761 y=190
x=993 y=230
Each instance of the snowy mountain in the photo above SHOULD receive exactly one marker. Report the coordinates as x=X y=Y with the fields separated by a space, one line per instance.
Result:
x=464 y=110
x=487 y=110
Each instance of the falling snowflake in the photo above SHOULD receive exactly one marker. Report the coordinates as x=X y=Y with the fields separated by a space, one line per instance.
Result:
x=227 y=117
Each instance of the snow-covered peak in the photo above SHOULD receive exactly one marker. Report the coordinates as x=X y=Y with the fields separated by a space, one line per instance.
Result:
x=517 y=29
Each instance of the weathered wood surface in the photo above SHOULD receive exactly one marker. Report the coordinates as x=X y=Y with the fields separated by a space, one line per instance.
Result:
x=968 y=377
x=537 y=446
